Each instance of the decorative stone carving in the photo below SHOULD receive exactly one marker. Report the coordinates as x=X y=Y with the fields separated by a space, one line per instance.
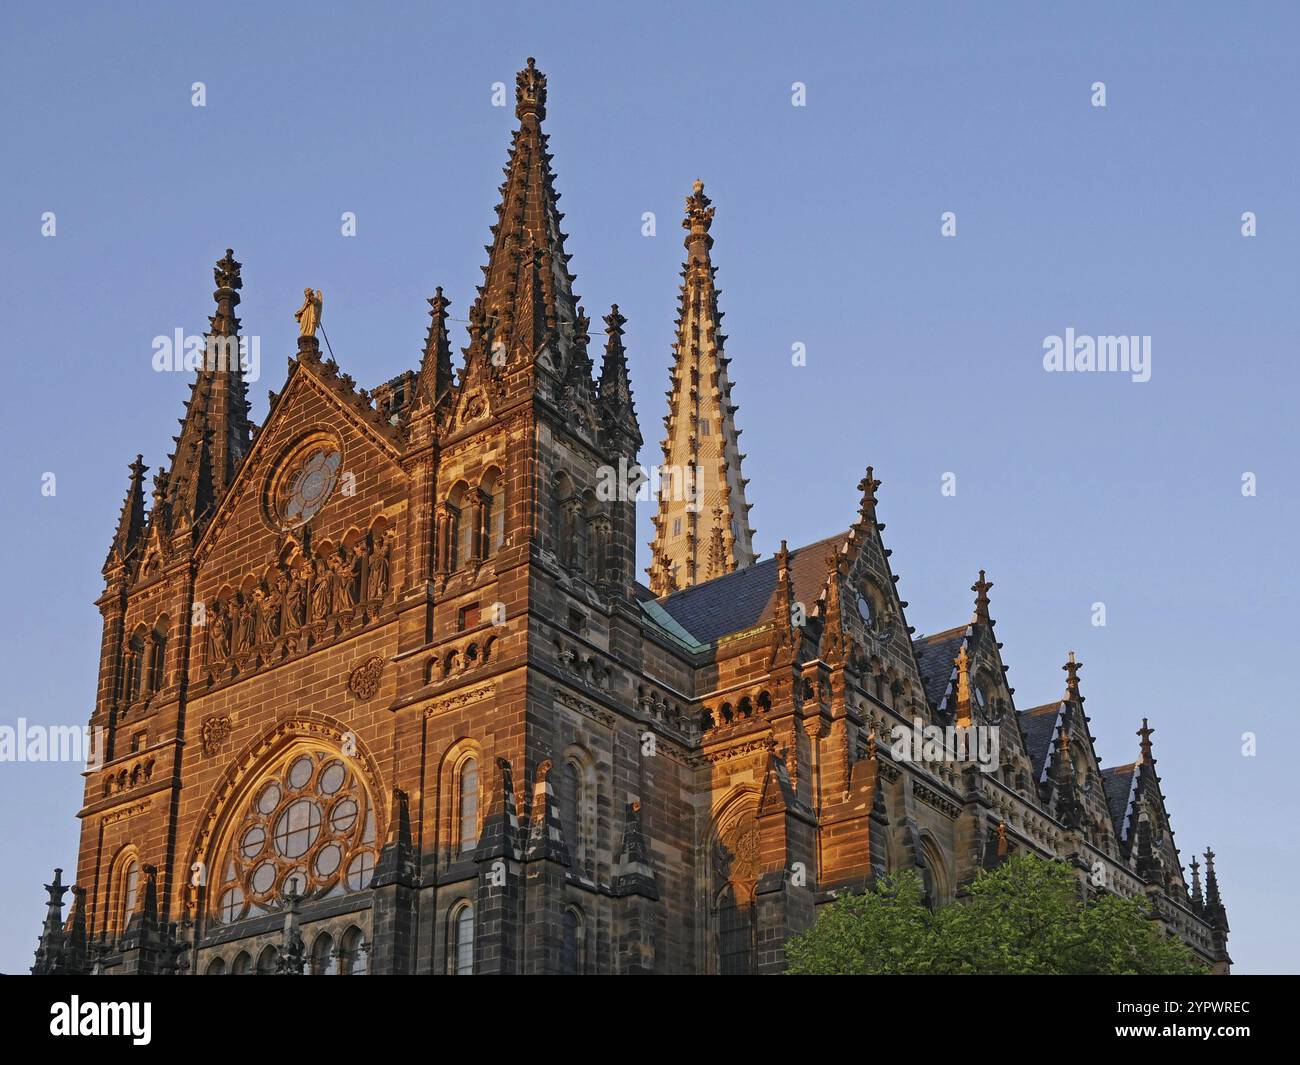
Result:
x=215 y=731
x=364 y=682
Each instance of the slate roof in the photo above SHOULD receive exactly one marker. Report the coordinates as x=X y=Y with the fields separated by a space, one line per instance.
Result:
x=744 y=598
x=1037 y=726
x=935 y=657
x=1118 y=784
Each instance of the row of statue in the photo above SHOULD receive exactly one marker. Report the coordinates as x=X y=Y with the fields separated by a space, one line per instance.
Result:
x=307 y=600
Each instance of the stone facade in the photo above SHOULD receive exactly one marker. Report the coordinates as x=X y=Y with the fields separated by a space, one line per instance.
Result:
x=382 y=694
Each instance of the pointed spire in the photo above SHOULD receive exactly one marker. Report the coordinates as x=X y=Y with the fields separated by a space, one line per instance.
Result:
x=1072 y=692
x=435 y=379
x=785 y=633
x=615 y=389
x=964 y=719
x=526 y=302
x=1214 y=908
x=833 y=643
x=130 y=525
x=49 y=952
x=215 y=432
x=702 y=440
x=981 y=589
x=1198 y=901
x=1069 y=809
x=867 y=486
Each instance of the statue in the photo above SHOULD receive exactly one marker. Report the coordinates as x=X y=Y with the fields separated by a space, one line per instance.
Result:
x=320 y=592
x=308 y=315
x=378 y=576
x=296 y=604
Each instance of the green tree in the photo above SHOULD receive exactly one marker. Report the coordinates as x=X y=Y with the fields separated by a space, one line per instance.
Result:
x=1025 y=917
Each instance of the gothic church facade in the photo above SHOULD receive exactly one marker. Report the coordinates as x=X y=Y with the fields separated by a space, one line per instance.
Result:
x=382 y=694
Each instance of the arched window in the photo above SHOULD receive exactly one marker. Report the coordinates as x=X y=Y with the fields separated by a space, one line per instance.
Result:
x=571 y=802
x=158 y=655
x=128 y=891
x=490 y=529
x=467 y=813
x=353 y=953
x=323 y=961
x=267 y=961
x=460 y=961
x=216 y=967
x=242 y=964
x=133 y=666
x=735 y=932
x=573 y=954
x=458 y=527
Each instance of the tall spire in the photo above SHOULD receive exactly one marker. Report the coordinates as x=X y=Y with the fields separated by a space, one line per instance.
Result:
x=526 y=303
x=705 y=494
x=1214 y=908
x=130 y=526
x=1145 y=732
x=1072 y=693
x=215 y=431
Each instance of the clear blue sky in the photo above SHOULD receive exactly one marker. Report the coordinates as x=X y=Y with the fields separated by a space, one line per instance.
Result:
x=924 y=353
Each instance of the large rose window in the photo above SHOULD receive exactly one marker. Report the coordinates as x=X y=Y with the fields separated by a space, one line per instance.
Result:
x=308 y=830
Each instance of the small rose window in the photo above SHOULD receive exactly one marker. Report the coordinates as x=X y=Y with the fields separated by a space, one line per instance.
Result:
x=306 y=486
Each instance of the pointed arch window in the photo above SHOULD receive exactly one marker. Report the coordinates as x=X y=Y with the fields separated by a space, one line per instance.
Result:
x=574 y=946
x=459 y=528
x=158 y=655
x=243 y=964
x=735 y=932
x=489 y=529
x=216 y=967
x=323 y=959
x=354 y=954
x=461 y=940
x=468 y=804
x=128 y=892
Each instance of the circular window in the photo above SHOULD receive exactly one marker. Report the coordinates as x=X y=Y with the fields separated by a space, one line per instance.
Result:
x=232 y=904
x=344 y=815
x=329 y=859
x=332 y=779
x=864 y=609
x=296 y=829
x=300 y=773
x=359 y=870
x=306 y=484
x=263 y=878
x=269 y=799
x=253 y=842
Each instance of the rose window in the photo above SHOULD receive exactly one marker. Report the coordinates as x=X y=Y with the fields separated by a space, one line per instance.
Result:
x=309 y=829
x=307 y=486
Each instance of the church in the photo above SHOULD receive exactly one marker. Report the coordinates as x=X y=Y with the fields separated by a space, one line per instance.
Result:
x=381 y=691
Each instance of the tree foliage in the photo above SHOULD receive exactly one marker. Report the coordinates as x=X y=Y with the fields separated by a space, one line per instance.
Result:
x=1026 y=917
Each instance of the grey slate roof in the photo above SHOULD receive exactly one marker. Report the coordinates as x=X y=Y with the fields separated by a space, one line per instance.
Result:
x=1037 y=726
x=935 y=657
x=744 y=598
x=1118 y=784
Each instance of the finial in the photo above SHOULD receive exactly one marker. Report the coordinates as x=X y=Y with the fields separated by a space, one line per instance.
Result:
x=981 y=589
x=1145 y=732
x=698 y=220
x=1072 y=667
x=226 y=275
x=530 y=92
x=1198 y=899
x=867 y=486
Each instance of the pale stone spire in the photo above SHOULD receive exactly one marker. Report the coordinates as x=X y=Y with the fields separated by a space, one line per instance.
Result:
x=702 y=528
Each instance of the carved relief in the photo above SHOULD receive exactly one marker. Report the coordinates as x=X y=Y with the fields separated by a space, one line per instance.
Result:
x=215 y=731
x=302 y=600
x=364 y=682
